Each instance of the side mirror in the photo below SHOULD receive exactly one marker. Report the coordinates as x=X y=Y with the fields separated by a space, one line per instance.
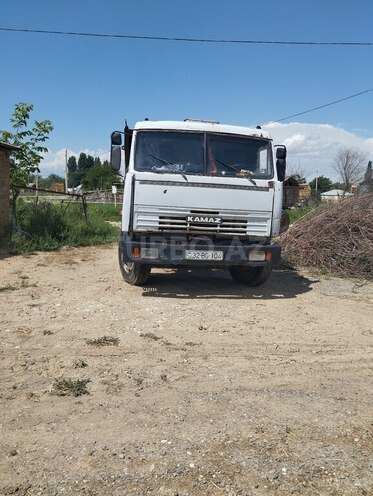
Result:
x=115 y=158
x=116 y=151
x=281 y=162
x=116 y=138
x=281 y=152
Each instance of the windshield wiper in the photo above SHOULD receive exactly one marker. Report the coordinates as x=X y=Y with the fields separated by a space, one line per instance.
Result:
x=235 y=169
x=168 y=171
x=162 y=160
x=172 y=169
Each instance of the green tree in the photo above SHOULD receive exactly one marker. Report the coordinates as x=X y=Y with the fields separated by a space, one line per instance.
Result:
x=72 y=165
x=99 y=177
x=323 y=184
x=82 y=162
x=97 y=161
x=90 y=162
x=85 y=163
x=30 y=141
x=73 y=174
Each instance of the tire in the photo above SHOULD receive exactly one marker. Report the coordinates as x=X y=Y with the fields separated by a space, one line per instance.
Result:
x=133 y=273
x=250 y=276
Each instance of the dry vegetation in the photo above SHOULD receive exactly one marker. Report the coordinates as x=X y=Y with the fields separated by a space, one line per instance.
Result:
x=337 y=240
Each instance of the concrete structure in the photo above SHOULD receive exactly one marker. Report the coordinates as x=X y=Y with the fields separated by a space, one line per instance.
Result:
x=334 y=195
x=5 y=151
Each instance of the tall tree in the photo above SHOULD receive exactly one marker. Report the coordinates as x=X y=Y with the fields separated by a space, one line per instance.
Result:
x=85 y=163
x=30 y=141
x=82 y=162
x=89 y=162
x=348 y=163
x=72 y=165
x=73 y=173
x=97 y=161
x=323 y=184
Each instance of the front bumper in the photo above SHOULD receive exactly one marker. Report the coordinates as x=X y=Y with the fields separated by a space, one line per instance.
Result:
x=170 y=251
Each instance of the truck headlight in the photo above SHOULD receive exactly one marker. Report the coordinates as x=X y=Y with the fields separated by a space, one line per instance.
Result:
x=257 y=256
x=149 y=253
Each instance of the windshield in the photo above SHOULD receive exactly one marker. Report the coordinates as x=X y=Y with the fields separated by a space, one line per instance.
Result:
x=203 y=154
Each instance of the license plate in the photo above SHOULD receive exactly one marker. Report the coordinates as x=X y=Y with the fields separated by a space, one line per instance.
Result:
x=203 y=255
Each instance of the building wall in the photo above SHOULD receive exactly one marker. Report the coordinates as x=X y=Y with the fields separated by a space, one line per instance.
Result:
x=332 y=198
x=59 y=187
x=4 y=190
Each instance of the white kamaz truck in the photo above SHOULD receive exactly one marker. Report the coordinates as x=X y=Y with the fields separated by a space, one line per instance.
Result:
x=199 y=193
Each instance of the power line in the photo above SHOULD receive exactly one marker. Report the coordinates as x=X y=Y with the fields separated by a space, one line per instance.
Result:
x=189 y=40
x=321 y=106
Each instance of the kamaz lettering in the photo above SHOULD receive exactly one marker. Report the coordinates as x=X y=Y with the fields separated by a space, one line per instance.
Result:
x=203 y=220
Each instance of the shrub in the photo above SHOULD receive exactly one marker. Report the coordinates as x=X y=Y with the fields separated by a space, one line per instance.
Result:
x=48 y=226
x=70 y=387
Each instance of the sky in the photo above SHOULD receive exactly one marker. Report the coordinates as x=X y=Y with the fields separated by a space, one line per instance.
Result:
x=88 y=86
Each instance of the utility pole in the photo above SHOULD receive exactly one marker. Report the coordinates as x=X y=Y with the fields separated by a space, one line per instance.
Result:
x=36 y=187
x=317 y=172
x=66 y=183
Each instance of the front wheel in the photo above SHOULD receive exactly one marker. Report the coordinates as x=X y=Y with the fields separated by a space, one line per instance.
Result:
x=133 y=273
x=251 y=276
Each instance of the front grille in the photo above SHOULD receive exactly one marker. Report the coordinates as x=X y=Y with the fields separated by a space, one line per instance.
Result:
x=233 y=223
x=180 y=223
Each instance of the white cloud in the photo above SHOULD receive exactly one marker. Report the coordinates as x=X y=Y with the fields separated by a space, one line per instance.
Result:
x=314 y=146
x=54 y=162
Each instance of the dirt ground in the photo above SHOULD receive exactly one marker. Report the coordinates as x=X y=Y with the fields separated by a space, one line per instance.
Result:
x=211 y=388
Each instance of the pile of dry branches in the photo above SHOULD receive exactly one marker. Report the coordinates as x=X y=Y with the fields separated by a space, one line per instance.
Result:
x=337 y=240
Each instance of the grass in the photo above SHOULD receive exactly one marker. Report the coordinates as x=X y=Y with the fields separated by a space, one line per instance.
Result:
x=305 y=213
x=105 y=211
x=103 y=341
x=48 y=226
x=70 y=387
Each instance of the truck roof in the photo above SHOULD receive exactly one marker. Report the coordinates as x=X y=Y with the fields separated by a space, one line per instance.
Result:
x=194 y=125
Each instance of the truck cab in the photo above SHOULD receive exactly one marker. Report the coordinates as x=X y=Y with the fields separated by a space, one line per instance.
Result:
x=198 y=193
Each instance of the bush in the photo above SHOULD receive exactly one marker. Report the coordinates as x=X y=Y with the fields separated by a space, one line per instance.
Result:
x=70 y=387
x=48 y=226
